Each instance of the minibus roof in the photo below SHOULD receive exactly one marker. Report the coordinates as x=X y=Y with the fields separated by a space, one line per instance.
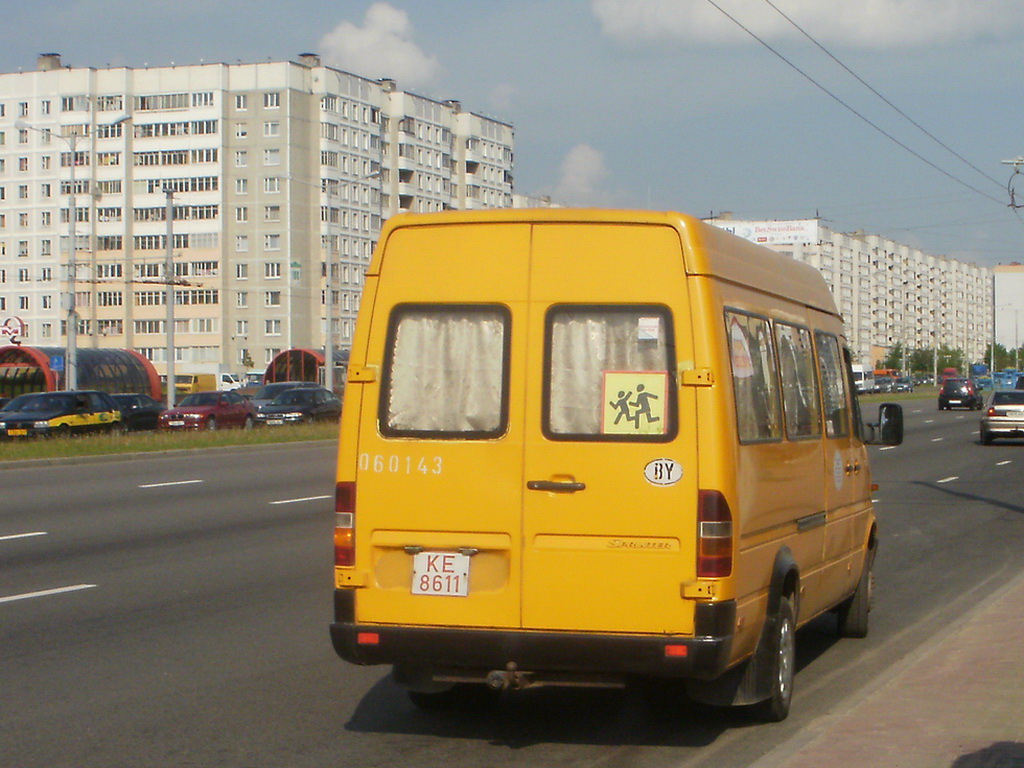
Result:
x=708 y=250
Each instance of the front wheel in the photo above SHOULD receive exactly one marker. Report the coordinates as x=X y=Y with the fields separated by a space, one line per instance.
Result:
x=782 y=647
x=852 y=614
x=211 y=424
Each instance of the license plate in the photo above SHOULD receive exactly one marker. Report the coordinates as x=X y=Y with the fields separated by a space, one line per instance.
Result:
x=954 y=402
x=275 y=422
x=440 y=573
x=176 y=423
x=17 y=432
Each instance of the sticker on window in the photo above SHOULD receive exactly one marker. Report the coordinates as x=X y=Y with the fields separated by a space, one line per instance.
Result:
x=648 y=329
x=634 y=403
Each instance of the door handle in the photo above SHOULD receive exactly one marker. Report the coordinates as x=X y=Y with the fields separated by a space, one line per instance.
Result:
x=557 y=486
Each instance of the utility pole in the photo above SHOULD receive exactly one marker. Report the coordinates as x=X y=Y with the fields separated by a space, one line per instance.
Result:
x=169 y=296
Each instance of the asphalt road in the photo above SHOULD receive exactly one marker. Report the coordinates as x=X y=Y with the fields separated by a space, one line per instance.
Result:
x=173 y=612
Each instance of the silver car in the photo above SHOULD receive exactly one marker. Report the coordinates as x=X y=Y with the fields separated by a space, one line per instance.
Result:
x=1003 y=415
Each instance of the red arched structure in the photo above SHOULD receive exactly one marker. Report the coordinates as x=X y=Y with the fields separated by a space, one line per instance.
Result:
x=28 y=369
x=304 y=365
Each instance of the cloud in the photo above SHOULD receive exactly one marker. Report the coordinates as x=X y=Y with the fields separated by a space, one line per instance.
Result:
x=583 y=173
x=860 y=24
x=382 y=47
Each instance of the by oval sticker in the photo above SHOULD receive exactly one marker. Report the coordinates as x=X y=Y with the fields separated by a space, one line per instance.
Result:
x=663 y=472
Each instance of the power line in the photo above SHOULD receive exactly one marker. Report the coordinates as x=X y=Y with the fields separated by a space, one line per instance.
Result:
x=834 y=97
x=867 y=85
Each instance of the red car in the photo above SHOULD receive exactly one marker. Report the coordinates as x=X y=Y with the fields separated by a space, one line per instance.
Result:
x=210 y=410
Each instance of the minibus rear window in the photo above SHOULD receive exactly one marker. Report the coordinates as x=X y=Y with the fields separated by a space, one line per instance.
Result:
x=609 y=374
x=446 y=372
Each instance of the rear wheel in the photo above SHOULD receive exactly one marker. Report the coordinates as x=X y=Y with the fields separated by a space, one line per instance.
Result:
x=782 y=647
x=852 y=615
x=248 y=423
x=459 y=696
x=986 y=437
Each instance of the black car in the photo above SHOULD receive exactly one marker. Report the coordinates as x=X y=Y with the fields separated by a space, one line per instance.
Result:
x=60 y=413
x=959 y=393
x=139 y=411
x=266 y=394
x=295 y=406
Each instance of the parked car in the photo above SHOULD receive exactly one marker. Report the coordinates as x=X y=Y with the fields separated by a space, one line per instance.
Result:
x=74 y=412
x=266 y=394
x=210 y=410
x=959 y=393
x=904 y=384
x=1004 y=415
x=139 y=411
x=298 y=405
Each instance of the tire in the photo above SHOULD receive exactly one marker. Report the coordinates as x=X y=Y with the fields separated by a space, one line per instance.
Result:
x=248 y=423
x=986 y=437
x=782 y=647
x=459 y=696
x=852 y=614
x=211 y=424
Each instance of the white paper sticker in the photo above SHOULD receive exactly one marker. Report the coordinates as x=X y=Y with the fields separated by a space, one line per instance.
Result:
x=648 y=328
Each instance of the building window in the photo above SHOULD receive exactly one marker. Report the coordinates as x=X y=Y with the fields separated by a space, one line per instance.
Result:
x=241 y=158
x=272 y=243
x=272 y=100
x=271 y=129
x=272 y=184
x=272 y=299
x=272 y=327
x=271 y=156
x=241 y=243
x=241 y=271
x=242 y=299
x=241 y=101
x=271 y=269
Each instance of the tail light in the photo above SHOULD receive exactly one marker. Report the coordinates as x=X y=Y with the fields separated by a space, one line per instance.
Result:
x=714 y=535
x=344 y=524
x=990 y=412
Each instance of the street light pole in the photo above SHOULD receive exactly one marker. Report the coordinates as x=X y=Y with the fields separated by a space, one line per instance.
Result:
x=71 y=349
x=169 y=296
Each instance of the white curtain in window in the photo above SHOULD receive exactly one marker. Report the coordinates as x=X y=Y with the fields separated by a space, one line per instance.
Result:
x=446 y=371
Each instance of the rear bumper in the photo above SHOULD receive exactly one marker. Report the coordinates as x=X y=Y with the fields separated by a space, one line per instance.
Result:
x=704 y=656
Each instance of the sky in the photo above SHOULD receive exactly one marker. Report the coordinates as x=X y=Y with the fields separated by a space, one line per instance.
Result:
x=889 y=116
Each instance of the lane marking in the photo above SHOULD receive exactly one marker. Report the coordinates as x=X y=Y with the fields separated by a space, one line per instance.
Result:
x=929 y=421
x=888 y=448
x=948 y=479
x=305 y=498
x=177 y=482
x=1004 y=463
x=937 y=439
x=46 y=593
x=11 y=536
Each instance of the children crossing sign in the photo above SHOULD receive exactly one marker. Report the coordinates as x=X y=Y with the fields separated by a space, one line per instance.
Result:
x=634 y=403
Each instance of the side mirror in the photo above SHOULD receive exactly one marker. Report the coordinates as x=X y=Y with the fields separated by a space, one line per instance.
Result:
x=889 y=428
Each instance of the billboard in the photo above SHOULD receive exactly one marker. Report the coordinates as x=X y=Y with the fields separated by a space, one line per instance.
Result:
x=802 y=231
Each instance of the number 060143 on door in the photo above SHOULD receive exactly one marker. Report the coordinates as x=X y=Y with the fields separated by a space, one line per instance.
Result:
x=440 y=573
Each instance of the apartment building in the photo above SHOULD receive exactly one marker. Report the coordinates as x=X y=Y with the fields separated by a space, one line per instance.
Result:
x=889 y=293
x=279 y=176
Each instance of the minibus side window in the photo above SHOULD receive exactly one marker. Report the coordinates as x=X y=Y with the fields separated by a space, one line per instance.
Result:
x=800 y=401
x=833 y=385
x=609 y=374
x=754 y=377
x=446 y=372
x=858 y=424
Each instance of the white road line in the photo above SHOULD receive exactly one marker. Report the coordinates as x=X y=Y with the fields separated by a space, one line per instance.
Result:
x=948 y=479
x=937 y=439
x=165 y=485
x=305 y=498
x=888 y=448
x=46 y=593
x=10 y=536
x=929 y=421
x=1004 y=463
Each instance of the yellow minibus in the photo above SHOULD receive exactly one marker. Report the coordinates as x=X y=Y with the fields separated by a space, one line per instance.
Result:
x=584 y=446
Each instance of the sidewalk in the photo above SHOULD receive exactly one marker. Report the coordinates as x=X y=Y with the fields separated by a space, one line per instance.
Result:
x=957 y=702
